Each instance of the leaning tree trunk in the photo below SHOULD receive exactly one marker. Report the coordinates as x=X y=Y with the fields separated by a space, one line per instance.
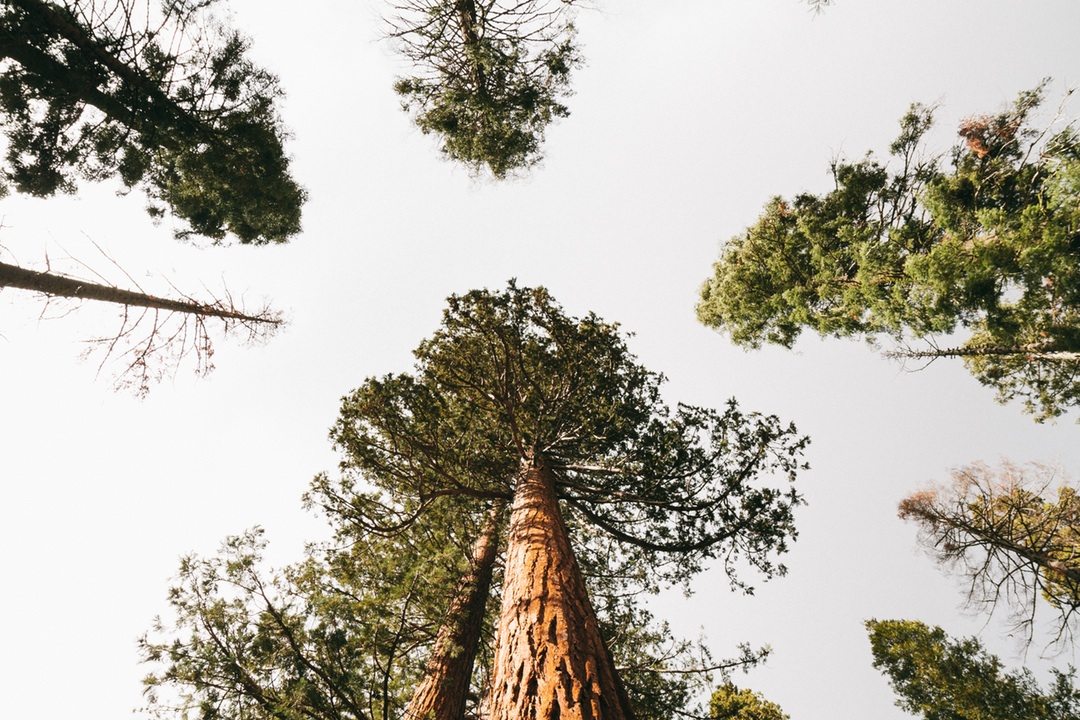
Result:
x=550 y=661
x=53 y=285
x=443 y=692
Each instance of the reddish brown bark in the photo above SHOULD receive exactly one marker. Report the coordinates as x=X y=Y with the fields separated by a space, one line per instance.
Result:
x=550 y=661
x=443 y=693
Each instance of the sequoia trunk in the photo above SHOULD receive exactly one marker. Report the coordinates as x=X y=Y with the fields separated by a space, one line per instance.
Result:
x=443 y=692
x=550 y=661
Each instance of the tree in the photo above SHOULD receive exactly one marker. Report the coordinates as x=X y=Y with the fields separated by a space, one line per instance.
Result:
x=162 y=99
x=988 y=246
x=155 y=333
x=728 y=702
x=938 y=678
x=511 y=401
x=1010 y=533
x=443 y=692
x=489 y=77
x=341 y=635
x=514 y=401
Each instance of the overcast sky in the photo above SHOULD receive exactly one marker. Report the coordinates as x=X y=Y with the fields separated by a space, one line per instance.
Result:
x=687 y=117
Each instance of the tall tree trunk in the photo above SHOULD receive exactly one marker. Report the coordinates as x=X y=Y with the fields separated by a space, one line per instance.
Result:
x=443 y=692
x=55 y=285
x=550 y=661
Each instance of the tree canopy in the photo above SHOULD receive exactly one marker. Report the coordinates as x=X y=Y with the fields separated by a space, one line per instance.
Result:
x=939 y=678
x=1012 y=533
x=915 y=250
x=488 y=75
x=340 y=635
x=728 y=702
x=162 y=98
x=509 y=393
x=510 y=381
x=508 y=376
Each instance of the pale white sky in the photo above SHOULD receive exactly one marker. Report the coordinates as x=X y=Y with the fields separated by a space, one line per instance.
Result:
x=688 y=116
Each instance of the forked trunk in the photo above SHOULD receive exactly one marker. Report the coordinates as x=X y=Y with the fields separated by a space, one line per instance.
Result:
x=550 y=661
x=443 y=692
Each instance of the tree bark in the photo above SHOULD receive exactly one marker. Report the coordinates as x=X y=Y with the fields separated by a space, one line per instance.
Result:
x=62 y=286
x=444 y=691
x=550 y=661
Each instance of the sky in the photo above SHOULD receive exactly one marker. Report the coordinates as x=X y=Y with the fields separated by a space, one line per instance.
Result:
x=687 y=117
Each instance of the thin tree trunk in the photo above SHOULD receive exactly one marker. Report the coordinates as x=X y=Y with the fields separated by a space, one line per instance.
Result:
x=54 y=285
x=1034 y=351
x=466 y=11
x=444 y=691
x=550 y=661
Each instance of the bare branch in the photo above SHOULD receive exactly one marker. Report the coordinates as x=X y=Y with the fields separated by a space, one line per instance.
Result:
x=1012 y=533
x=156 y=334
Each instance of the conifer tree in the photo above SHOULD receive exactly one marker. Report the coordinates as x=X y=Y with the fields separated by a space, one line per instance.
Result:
x=488 y=75
x=514 y=401
x=610 y=494
x=1012 y=533
x=915 y=250
x=160 y=96
x=939 y=678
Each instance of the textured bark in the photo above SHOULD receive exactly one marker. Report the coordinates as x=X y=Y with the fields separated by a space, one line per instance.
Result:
x=550 y=661
x=443 y=693
x=54 y=285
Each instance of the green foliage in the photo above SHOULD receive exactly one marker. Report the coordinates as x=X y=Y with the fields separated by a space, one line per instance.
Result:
x=938 y=678
x=489 y=76
x=342 y=635
x=990 y=245
x=649 y=495
x=1046 y=384
x=509 y=376
x=165 y=100
x=730 y=703
x=1010 y=533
